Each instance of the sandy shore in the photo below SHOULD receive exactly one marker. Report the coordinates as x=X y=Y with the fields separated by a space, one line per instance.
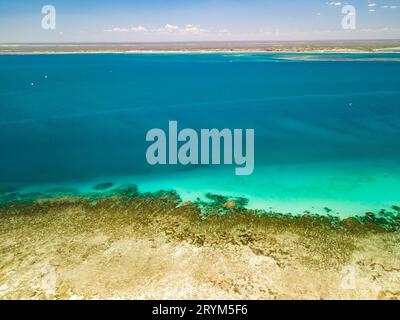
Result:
x=371 y=46
x=153 y=247
x=222 y=51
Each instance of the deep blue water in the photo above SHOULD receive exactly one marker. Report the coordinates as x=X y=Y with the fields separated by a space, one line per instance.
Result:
x=75 y=118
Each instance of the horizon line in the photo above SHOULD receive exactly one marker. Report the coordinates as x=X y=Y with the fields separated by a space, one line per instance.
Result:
x=202 y=41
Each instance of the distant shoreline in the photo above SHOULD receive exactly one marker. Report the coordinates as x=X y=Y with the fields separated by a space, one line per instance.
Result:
x=194 y=52
x=371 y=46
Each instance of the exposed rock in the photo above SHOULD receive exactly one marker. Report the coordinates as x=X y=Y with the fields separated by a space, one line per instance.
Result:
x=186 y=204
x=350 y=222
x=229 y=204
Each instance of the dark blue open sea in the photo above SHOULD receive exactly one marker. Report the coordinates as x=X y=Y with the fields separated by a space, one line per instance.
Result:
x=327 y=126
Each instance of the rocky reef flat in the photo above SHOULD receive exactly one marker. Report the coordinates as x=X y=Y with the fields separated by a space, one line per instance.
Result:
x=152 y=246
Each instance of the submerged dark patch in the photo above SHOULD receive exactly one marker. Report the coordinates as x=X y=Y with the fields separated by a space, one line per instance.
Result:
x=8 y=189
x=103 y=186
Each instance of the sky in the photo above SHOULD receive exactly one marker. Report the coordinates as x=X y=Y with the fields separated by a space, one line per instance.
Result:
x=196 y=20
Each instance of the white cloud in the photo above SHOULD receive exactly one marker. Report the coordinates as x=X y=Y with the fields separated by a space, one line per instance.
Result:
x=138 y=29
x=188 y=29
x=117 y=29
x=194 y=30
x=334 y=3
x=170 y=28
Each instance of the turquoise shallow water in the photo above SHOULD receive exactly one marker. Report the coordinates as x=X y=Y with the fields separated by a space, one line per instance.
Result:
x=74 y=121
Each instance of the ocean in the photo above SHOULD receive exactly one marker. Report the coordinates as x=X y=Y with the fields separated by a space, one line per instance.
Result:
x=327 y=126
